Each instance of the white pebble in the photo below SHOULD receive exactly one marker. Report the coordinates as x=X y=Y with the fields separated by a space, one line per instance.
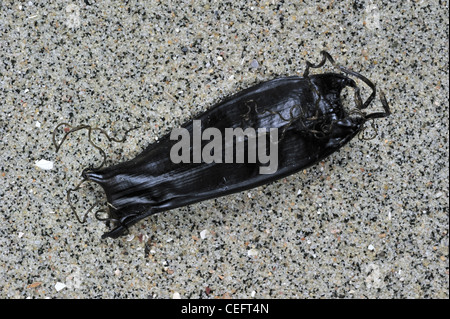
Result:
x=44 y=164
x=252 y=252
x=254 y=64
x=204 y=233
x=176 y=295
x=371 y=247
x=20 y=234
x=253 y=293
x=38 y=124
x=59 y=286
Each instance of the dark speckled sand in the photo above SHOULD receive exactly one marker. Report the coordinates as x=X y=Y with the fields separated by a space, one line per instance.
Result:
x=371 y=221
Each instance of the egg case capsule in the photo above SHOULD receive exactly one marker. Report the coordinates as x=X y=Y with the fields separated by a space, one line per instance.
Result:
x=307 y=112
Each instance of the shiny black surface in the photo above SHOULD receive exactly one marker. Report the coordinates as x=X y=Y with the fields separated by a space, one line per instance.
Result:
x=307 y=110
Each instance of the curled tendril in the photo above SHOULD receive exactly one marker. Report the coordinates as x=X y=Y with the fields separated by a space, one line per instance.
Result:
x=101 y=218
x=358 y=100
x=69 y=201
x=361 y=134
x=90 y=129
x=102 y=215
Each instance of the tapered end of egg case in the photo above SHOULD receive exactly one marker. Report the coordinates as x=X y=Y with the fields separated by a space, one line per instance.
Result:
x=119 y=226
x=111 y=220
x=116 y=232
x=117 y=217
x=359 y=102
x=92 y=175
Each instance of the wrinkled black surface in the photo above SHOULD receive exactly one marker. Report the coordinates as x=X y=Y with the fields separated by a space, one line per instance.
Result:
x=151 y=183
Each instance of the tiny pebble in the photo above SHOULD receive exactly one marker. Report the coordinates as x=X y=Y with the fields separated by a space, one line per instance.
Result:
x=371 y=247
x=204 y=234
x=59 y=286
x=44 y=164
x=252 y=252
x=253 y=293
x=176 y=295
x=254 y=64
